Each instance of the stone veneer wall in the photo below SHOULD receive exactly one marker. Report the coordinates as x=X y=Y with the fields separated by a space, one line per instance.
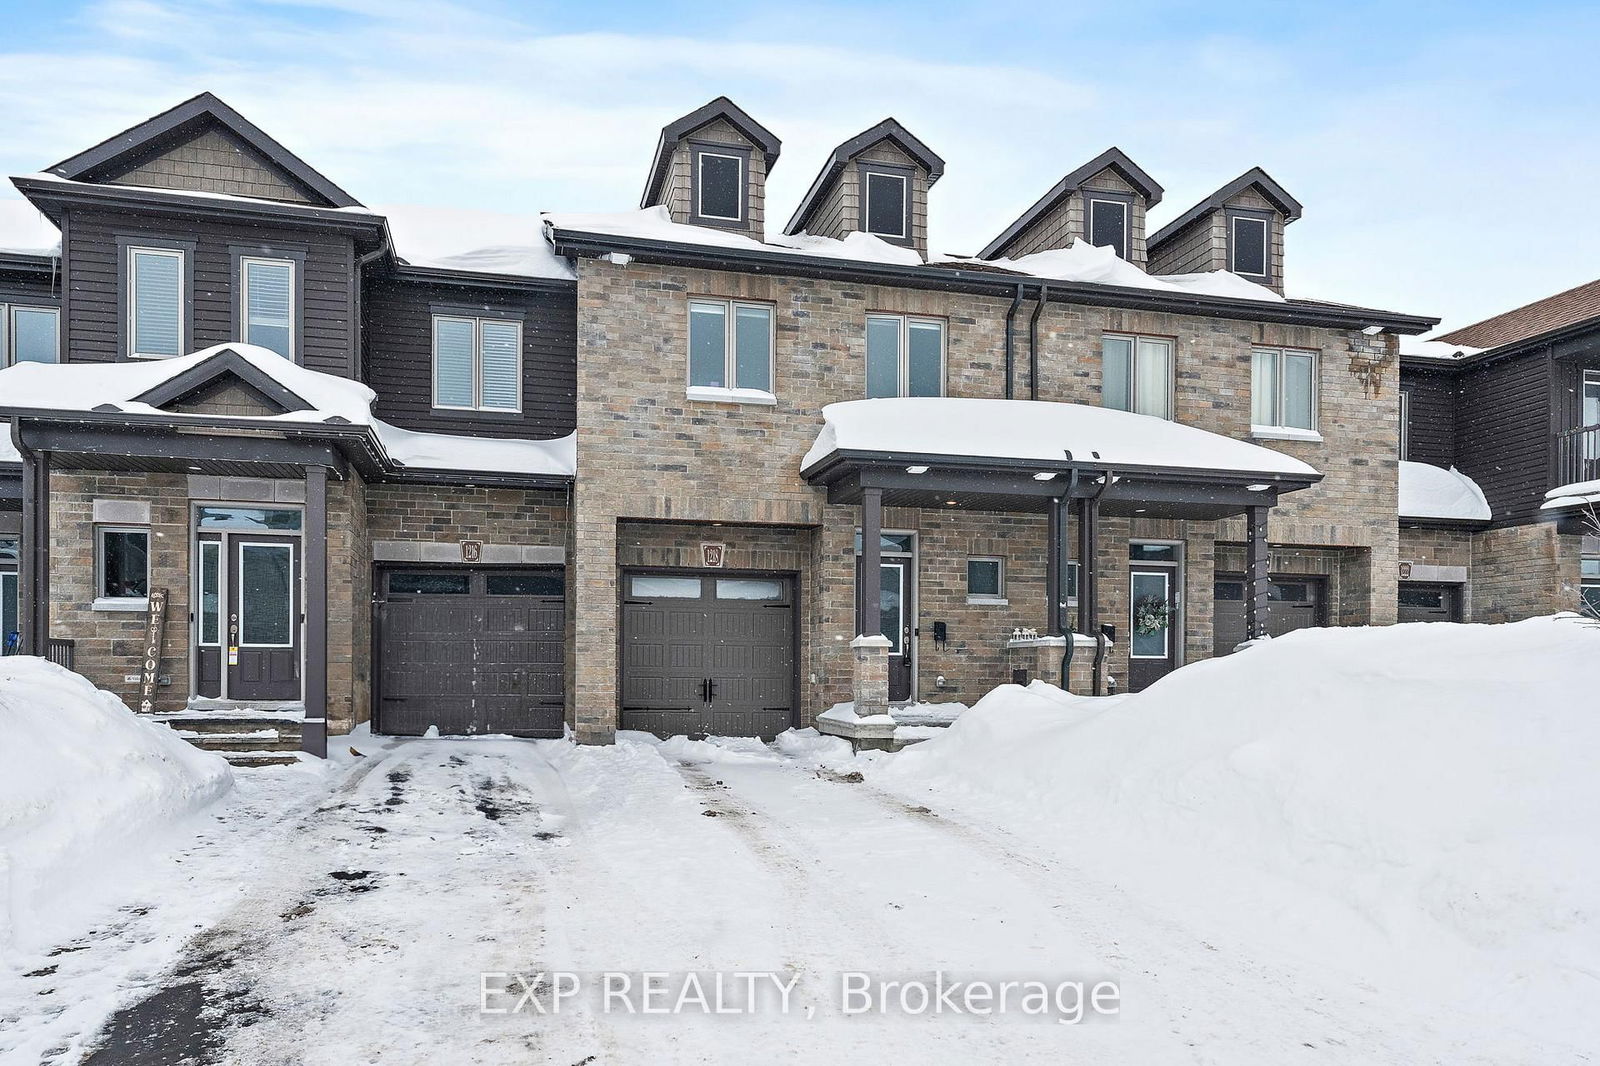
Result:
x=1524 y=571
x=648 y=453
x=450 y=514
x=349 y=606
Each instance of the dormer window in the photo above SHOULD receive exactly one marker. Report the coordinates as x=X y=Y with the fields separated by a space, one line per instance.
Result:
x=720 y=197
x=1108 y=223
x=887 y=197
x=1247 y=245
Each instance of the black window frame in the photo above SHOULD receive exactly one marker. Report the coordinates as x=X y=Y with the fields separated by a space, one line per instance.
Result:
x=1233 y=218
x=906 y=175
x=743 y=154
x=1122 y=200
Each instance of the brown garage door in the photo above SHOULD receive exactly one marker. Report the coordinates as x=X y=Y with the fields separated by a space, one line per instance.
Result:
x=708 y=654
x=471 y=651
x=1294 y=602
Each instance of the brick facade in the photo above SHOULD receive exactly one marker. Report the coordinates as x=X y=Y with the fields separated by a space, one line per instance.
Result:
x=1523 y=571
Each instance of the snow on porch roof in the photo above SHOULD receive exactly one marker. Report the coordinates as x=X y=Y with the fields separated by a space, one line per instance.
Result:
x=1428 y=491
x=111 y=388
x=1038 y=431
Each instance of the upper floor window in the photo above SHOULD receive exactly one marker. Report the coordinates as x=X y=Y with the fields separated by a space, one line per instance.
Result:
x=730 y=345
x=1136 y=374
x=477 y=364
x=719 y=185
x=1405 y=424
x=1108 y=224
x=887 y=200
x=1283 y=388
x=1591 y=397
x=155 y=302
x=267 y=304
x=905 y=356
x=29 y=335
x=1247 y=245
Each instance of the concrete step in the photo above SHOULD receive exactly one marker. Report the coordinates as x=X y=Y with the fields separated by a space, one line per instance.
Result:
x=261 y=758
x=254 y=740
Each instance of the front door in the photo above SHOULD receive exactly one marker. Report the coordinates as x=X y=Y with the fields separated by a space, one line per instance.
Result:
x=1152 y=648
x=263 y=620
x=893 y=602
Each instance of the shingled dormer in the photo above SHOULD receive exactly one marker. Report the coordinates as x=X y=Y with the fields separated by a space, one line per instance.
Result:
x=1239 y=228
x=203 y=145
x=1102 y=202
x=876 y=182
x=710 y=169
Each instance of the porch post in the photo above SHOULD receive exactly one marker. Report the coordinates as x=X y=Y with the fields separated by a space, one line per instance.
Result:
x=1088 y=586
x=1256 y=584
x=34 y=594
x=868 y=619
x=1055 y=535
x=314 y=733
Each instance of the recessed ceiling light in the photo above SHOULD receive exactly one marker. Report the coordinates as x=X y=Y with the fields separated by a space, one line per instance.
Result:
x=916 y=470
x=1045 y=475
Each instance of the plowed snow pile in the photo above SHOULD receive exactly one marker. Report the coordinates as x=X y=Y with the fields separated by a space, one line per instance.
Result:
x=1417 y=806
x=83 y=781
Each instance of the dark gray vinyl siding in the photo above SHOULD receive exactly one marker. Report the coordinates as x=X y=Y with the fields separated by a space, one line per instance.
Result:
x=1432 y=432
x=95 y=308
x=398 y=327
x=1503 y=433
x=33 y=289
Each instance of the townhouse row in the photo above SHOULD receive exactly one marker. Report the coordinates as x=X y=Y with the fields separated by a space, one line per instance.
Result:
x=661 y=470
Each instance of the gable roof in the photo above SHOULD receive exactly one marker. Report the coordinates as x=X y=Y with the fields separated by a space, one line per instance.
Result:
x=1112 y=158
x=176 y=125
x=1216 y=201
x=1531 y=320
x=675 y=131
x=887 y=130
x=225 y=366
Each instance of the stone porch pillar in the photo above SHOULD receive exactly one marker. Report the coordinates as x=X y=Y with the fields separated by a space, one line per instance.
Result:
x=314 y=731
x=870 y=685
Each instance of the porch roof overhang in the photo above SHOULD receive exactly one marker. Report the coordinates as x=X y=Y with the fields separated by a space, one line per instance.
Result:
x=1020 y=455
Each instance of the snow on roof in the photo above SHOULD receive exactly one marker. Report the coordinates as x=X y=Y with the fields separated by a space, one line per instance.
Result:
x=1435 y=349
x=356 y=210
x=1037 y=430
x=1428 y=491
x=84 y=387
x=488 y=242
x=1081 y=262
x=25 y=231
x=1577 y=494
x=8 y=451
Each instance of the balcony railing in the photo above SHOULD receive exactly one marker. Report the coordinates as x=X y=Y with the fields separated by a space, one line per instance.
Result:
x=60 y=652
x=1578 y=455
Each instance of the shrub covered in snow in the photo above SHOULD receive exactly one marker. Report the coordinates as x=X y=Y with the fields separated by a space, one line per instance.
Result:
x=1415 y=802
x=82 y=778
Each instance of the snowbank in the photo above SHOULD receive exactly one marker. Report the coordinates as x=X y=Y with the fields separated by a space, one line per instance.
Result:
x=1413 y=804
x=82 y=780
x=1428 y=491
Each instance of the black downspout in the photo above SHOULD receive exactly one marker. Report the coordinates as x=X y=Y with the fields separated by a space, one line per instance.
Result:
x=1033 y=343
x=1091 y=516
x=1068 y=629
x=1011 y=344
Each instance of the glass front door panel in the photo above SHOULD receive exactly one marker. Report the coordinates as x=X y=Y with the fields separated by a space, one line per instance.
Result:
x=8 y=610
x=266 y=595
x=1149 y=591
x=210 y=592
x=891 y=604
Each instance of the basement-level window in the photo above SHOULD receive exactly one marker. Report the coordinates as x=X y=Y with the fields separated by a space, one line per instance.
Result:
x=730 y=347
x=1283 y=389
x=905 y=356
x=122 y=563
x=1136 y=374
x=1247 y=245
x=1108 y=225
x=477 y=364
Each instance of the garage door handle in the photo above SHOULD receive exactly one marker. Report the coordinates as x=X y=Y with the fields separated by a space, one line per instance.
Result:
x=711 y=690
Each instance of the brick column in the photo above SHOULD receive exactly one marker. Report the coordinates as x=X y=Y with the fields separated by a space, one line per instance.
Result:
x=870 y=686
x=595 y=622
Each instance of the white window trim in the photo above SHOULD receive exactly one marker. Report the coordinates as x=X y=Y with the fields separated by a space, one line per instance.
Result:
x=8 y=330
x=118 y=603
x=997 y=599
x=1405 y=423
x=700 y=184
x=1276 y=430
x=1133 y=376
x=1266 y=246
x=905 y=203
x=245 y=262
x=903 y=371
x=278 y=545
x=1591 y=379
x=477 y=364
x=1127 y=222
x=734 y=393
x=134 y=251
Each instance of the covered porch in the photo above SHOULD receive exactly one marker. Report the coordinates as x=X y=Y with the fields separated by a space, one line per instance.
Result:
x=1077 y=466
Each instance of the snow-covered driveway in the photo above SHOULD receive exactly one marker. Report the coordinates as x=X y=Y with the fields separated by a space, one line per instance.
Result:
x=366 y=914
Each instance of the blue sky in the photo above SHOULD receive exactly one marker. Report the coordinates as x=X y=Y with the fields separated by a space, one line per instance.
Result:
x=1445 y=153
